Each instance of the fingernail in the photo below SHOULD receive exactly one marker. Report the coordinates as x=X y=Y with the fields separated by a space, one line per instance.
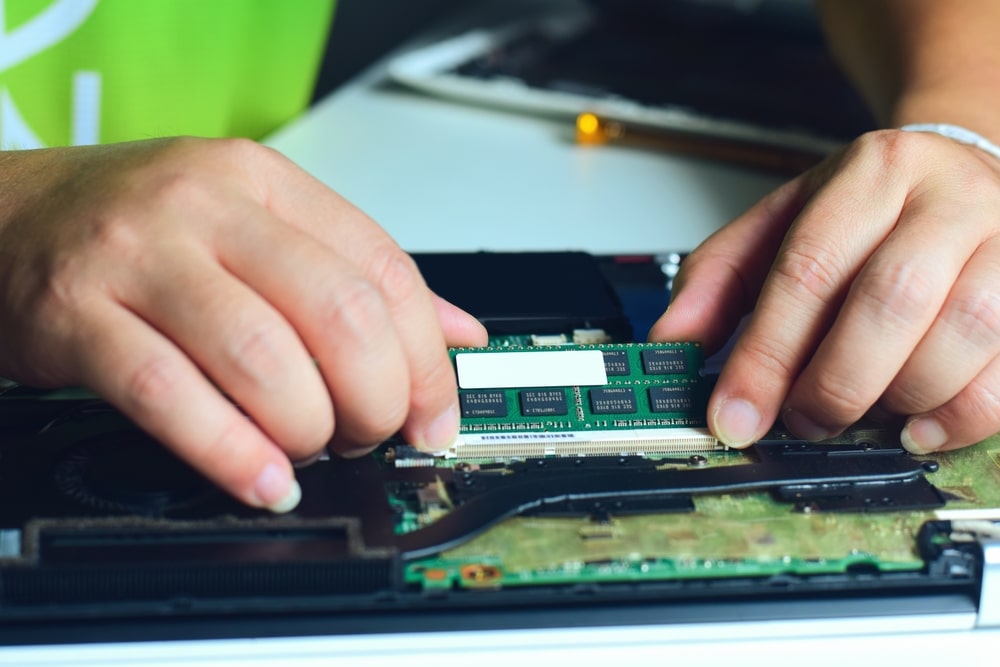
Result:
x=309 y=460
x=923 y=435
x=277 y=490
x=737 y=422
x=442 y=432
x=804 y=427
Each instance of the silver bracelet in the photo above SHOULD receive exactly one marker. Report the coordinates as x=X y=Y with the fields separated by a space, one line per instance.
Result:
x=957 y=133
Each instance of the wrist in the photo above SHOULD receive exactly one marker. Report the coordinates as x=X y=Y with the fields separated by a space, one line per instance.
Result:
x=957 y=133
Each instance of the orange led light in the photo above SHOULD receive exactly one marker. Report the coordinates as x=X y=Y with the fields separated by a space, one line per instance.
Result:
x=589 y=129
x=587 y=123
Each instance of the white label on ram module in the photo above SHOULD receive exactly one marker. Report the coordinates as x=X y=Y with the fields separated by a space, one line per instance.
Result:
x=508 y=370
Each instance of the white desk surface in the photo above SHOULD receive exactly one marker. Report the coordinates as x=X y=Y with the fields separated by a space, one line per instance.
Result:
x=442 y=176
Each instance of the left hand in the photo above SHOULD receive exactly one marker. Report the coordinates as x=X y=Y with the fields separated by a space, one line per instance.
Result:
x=874 y=280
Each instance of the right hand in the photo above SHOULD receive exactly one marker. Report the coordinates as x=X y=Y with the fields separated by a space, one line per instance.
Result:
x=872 y=280
x=171 y=276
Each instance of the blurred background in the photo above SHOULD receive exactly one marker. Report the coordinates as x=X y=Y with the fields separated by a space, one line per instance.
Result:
x=367 y=29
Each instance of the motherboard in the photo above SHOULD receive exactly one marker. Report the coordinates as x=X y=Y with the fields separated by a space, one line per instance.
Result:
x=584 y=474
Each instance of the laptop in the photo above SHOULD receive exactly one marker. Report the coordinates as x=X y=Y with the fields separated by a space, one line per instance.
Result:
x=586 y=495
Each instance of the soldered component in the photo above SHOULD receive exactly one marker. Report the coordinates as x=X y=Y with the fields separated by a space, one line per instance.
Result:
x=660 y=361
x=671 y=398
x=616 y=362
x=613 y=401
x=489 y=403
x=591 y=337
x=543 y=402
x=549 y=339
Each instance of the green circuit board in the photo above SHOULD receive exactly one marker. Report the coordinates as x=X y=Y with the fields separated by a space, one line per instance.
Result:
x=729 y=534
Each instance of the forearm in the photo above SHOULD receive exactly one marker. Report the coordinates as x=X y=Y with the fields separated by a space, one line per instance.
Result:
x=920 y=61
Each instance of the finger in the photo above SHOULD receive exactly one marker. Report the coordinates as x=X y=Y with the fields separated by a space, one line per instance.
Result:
x=889 y=309
x=718 y=283
x=434 y=416
x=823 y=251
x=153 y=383
x=964 y=338
x=304 y=202
x=340 y=315
x=460 y=328
x=241 y=342
x=971 y=416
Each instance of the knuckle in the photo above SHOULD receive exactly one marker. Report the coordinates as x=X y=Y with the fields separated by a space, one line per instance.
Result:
x=976 y=317
x=975 y=413
x=256 y=351
x=240 y=147
x=770 y=358
x=174 y=188
x=986 y=404
x=840 y=399
x=356 y=309
x=242 y=152
x=898 y=292
x=397 y=274
x=189 y=175
x=808 y=269
x=888 y=147
x=246 y=155
x=116 y=238
x=152 y=383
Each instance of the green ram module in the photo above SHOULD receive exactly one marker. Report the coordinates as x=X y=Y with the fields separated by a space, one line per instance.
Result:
x=573 y=400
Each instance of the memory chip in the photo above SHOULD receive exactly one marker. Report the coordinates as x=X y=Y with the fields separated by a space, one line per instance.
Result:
x=483 y=403
x=613 y=401
x=543 y=402
x=671 y=398
x=664 y=361
x=616 y=362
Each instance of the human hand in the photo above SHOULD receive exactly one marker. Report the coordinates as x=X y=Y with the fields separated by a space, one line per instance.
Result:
x=168 y=275
x=874 y=280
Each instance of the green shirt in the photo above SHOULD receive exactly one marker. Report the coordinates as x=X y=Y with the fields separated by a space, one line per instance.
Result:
x=90 y=71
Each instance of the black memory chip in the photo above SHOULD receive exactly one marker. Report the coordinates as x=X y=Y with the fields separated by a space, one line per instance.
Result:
x=542 y=402
x=483 y=403
x=664 y=361
x=616 y=362
x=671 y=398
x=612 y=401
